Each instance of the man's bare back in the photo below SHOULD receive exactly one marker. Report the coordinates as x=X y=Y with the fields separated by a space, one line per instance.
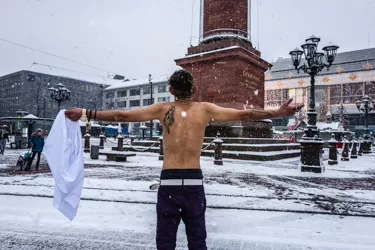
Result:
x=183 y=132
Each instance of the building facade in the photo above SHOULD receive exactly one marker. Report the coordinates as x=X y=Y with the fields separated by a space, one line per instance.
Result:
x=350 y=78
x=28 y=91
x=127 y=95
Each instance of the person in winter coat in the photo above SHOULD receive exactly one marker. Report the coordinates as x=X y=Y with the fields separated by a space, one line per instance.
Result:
x=3 y=137
x=37 y=144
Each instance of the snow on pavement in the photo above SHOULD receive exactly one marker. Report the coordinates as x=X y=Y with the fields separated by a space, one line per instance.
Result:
x=32 y=223
x=117 y=210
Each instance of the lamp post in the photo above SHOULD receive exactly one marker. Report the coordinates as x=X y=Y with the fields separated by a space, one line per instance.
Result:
x=152 y=102
x=311 y=142
x=366 y=106
x=59 y=94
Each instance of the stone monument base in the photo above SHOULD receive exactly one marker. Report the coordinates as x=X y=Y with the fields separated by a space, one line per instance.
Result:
x=240 y=129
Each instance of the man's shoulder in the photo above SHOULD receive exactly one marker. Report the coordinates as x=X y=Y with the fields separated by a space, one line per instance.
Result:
x=208 y=105
x=204 y=105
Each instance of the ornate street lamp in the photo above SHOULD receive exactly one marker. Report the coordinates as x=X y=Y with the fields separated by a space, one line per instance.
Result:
x=366 y=106
x=59 y=94
x=311 y=142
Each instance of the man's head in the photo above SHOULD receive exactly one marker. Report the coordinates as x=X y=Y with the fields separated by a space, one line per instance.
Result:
x=182 y=84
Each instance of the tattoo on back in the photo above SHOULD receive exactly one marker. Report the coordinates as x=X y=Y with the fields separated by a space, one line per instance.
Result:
x=169 y=118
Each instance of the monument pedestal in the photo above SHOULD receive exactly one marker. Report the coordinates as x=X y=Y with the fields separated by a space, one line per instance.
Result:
x=227 y=69
x=232 y=78
x=240 y=129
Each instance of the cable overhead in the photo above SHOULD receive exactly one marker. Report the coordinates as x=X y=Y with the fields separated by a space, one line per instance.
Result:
x=50 y=54
x=76 y=71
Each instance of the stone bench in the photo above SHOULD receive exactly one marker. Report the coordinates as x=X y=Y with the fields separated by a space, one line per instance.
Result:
x=117 y=156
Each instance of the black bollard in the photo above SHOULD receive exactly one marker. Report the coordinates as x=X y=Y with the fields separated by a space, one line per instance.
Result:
x=360 y=146
x=367 y=144
x=102 y=139
x=332 y=150
x=87 y=136
x=354 y=154
x=218 y=155
x=161 y=152
x=345 y=150
x=132 y=137
x=120 y=142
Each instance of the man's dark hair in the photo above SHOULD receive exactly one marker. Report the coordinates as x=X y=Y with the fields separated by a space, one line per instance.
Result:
x=182 y=82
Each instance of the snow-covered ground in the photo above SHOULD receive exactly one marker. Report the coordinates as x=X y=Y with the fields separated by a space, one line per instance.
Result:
x=251 y=205
x=32 y=223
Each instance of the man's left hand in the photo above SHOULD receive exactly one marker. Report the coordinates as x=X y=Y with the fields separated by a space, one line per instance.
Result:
x=288 y=110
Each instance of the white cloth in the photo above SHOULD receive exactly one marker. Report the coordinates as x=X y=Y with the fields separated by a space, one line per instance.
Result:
x=64 y=154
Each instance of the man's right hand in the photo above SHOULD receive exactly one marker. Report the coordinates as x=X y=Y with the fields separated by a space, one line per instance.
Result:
x=74 y=114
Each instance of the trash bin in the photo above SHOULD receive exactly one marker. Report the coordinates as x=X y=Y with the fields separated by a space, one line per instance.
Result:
x=94 y=153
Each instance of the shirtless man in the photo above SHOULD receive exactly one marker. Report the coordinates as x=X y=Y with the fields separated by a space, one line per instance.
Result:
x=181 y=194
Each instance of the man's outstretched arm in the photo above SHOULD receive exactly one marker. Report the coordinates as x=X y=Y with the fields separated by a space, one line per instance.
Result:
x=135 y=115
x=228 y=114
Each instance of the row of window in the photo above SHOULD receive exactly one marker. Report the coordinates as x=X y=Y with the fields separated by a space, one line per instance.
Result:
x=347 y=93
x=350 y=120
x=136 y=103
x=137 y=91
x=45 y=79
x=351 y=92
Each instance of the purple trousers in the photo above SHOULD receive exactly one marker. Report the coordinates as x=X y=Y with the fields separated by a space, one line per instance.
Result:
x=181 y=202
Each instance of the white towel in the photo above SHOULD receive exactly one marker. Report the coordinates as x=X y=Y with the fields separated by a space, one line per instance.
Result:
x=64 y=154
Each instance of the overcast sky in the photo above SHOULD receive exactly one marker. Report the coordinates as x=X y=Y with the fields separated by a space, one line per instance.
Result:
x=138 y=37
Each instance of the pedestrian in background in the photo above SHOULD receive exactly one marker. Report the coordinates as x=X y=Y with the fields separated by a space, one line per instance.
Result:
x=37 y=144
x=3 y=137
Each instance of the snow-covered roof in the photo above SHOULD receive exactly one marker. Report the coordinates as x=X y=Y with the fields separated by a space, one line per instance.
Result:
x=324 y=125
x=140 y=82
x=30 y=116
x=57 y=71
